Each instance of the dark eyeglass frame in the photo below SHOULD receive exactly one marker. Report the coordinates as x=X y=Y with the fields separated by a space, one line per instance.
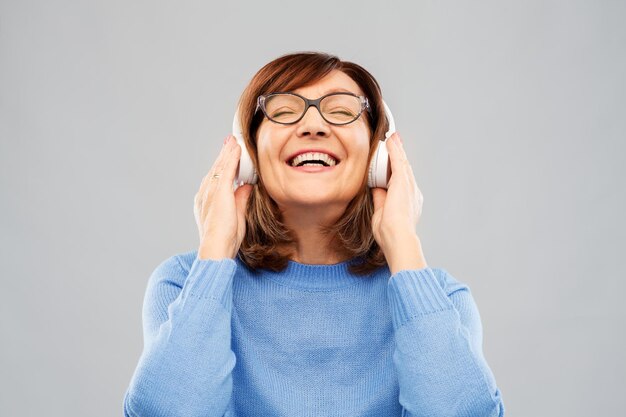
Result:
x=365 y=105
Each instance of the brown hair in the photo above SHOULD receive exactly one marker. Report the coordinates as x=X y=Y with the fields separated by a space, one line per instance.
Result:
x=265 y=234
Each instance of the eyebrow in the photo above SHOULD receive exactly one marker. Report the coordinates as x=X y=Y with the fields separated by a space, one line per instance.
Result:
x=339 y=90
x=335 y=90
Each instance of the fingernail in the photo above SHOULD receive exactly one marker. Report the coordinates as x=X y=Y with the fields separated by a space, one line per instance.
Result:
x=226 y=139
x=399 y=137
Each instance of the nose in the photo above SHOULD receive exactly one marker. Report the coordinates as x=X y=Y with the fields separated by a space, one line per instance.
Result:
x=313 y=124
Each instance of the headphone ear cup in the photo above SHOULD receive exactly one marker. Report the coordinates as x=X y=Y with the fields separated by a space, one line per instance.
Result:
x=245 y=169
x=380 y=167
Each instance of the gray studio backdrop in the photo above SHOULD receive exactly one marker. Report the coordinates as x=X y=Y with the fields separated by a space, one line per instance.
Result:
x=513 y=115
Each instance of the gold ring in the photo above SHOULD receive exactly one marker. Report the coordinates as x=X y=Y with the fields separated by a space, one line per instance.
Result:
x=215 y=176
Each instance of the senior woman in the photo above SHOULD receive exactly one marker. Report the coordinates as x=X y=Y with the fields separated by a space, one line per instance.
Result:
x=309 y=294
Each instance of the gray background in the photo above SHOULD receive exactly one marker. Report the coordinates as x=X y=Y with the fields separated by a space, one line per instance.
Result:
x=513 y=115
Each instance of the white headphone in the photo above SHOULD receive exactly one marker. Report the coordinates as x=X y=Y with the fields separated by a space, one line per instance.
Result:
x=378 y=173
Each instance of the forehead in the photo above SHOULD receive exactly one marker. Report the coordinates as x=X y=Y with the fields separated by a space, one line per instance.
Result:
x=335 y=81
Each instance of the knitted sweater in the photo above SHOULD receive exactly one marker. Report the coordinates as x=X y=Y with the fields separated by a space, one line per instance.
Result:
x=312 y=340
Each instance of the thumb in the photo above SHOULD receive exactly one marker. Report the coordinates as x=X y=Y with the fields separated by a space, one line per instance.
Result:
x=379 y=195
x=242 y=194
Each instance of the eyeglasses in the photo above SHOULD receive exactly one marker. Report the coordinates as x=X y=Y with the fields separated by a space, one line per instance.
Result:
x=336 y=108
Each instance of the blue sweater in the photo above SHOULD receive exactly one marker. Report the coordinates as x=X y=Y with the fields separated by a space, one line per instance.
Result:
x=312 y=340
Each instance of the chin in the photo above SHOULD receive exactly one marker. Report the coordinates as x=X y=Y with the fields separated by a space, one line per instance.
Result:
x=308 y=199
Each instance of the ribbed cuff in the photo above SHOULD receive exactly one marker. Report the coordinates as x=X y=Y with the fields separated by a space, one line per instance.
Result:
x=414 y=293
x=212 y=279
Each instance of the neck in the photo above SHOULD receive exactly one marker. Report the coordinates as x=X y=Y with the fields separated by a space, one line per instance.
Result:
x=312 y=245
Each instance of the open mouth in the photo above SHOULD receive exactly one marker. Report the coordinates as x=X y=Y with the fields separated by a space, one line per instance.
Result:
x=313 y=159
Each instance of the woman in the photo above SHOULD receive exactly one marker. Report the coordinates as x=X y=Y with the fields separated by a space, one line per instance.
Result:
x=309 y=294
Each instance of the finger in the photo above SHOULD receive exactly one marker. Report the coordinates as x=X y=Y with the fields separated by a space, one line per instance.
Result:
x=395 y=140
x=217 y=175
x=222 y=158
x=394 y=147
x=405 y=158
x=211 y=181
x=379 y=195
x=217 y=165
x=396 y=156
x=242 y=194
x=230 y=164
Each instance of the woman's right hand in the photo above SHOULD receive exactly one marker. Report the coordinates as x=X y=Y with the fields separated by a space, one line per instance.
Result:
x=220 y=211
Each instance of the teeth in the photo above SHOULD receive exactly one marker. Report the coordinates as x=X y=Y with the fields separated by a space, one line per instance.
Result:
x=313 y=156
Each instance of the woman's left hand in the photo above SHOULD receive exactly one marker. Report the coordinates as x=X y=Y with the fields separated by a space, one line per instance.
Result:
x=397 y=211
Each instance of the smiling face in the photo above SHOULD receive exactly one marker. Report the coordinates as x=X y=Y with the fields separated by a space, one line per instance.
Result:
x=349 y=144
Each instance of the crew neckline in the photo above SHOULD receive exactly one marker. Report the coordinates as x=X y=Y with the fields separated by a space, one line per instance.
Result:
x=315 y=277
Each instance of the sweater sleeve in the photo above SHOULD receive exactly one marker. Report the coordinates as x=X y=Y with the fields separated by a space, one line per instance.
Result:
x=438 y=354
x=185 y=368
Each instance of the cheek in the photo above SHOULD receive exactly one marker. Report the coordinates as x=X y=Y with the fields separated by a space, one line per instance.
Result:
x=262 y=158
x=363 y=151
